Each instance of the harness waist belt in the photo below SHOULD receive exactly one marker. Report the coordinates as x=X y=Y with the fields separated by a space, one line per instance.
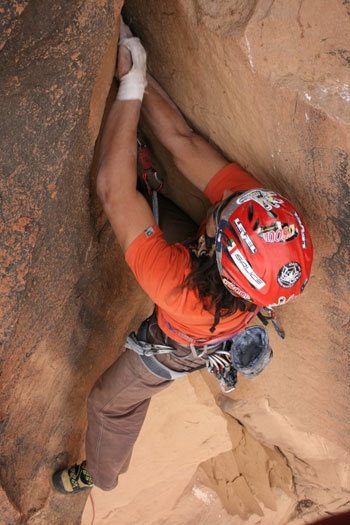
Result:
x=146 y=349
x=146 y=352
x=197 y=351
x=160 y=370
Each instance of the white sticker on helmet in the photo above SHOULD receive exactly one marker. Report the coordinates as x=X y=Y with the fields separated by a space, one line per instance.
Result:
x=244 y=267
x=302 y=230
x=236 y=290
x=266 y=198
x=289 y=274
x=281 y=300
x=244 y=235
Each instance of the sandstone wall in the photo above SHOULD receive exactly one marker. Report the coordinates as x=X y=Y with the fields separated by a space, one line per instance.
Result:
x=63 y=279
x=267 y=81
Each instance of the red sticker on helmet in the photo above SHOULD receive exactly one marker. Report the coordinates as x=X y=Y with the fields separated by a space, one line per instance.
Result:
x=235 y=290
x=278 y=232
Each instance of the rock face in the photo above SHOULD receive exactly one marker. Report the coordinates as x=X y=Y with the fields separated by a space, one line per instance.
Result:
x=268 y=83
x=63 y=280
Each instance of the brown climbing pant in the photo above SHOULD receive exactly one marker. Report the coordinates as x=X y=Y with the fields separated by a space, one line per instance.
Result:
x=119 y=401
x=117 y=407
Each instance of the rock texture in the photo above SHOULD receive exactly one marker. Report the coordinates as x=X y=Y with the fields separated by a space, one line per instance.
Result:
x=63 y=279
x=267 y=81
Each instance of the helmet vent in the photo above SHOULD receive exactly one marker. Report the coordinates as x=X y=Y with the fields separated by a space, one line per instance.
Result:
x=250 y=212
x=256 y=224
x=233 y=233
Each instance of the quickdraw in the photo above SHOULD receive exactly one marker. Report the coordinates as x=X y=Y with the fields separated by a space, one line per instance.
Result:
x=220 y=365
x=150 y=176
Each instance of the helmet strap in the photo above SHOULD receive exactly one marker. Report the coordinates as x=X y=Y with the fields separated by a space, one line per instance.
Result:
x=204 y=245
x=216 y=320
x=209 y=241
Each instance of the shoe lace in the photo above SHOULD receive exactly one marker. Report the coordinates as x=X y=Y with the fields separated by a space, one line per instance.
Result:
x=85 y=472
x=79 y=472
x=73 y=473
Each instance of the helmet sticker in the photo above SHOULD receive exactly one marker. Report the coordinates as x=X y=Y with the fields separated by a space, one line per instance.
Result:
x=266 y=198
x=289 y=274
x=244 y=266
x=303 y=285
x=302 y=230
x=278 y=232
x=281 y=300
x=244 y=236
x=235 y=290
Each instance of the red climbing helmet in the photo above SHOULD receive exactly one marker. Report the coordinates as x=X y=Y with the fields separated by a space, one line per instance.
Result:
x=263 y=248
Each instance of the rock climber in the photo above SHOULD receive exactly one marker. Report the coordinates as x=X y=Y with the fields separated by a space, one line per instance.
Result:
x=253 y=250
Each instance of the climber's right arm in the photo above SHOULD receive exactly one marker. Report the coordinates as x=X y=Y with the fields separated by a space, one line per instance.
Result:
x=194 y=157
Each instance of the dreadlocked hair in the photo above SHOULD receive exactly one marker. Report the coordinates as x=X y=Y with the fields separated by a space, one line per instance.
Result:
x=205 y=278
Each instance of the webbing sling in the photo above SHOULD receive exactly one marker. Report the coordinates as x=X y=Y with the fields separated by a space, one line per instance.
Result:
x=146 y=349
x=150 y=176
x=147 y=352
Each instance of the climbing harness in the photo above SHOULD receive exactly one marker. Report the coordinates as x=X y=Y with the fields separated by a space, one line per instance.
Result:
x=150 y=176
x=148 y=351
x=248 y=353
x=218 y=363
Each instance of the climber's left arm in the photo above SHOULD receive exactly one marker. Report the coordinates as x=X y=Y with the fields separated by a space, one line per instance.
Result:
x=194 y=157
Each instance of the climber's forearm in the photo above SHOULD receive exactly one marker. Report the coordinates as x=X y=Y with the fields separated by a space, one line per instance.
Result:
x=192 y=155
x=118 y=153
x=161 y=115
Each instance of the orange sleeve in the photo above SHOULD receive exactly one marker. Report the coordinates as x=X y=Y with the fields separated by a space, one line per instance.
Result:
x=160 y=268
x=231 y=177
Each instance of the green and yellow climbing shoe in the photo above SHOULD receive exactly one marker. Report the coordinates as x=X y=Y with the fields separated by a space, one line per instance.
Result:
x=73 y=480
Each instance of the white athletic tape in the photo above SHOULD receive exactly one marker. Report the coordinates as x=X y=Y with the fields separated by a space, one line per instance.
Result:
x=133 y=84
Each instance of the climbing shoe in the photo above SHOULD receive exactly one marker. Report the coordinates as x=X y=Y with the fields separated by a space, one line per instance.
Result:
x=73 y=480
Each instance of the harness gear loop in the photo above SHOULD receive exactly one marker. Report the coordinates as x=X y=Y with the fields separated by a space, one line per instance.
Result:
x=146 y=349
x=248 y=353
x=220 y=364
x=196 y=354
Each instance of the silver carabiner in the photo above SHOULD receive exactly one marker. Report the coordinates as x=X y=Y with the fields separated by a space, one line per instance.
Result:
x=224 y=389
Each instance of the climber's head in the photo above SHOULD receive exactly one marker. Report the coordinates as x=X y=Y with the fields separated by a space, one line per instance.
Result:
x=263 y=248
